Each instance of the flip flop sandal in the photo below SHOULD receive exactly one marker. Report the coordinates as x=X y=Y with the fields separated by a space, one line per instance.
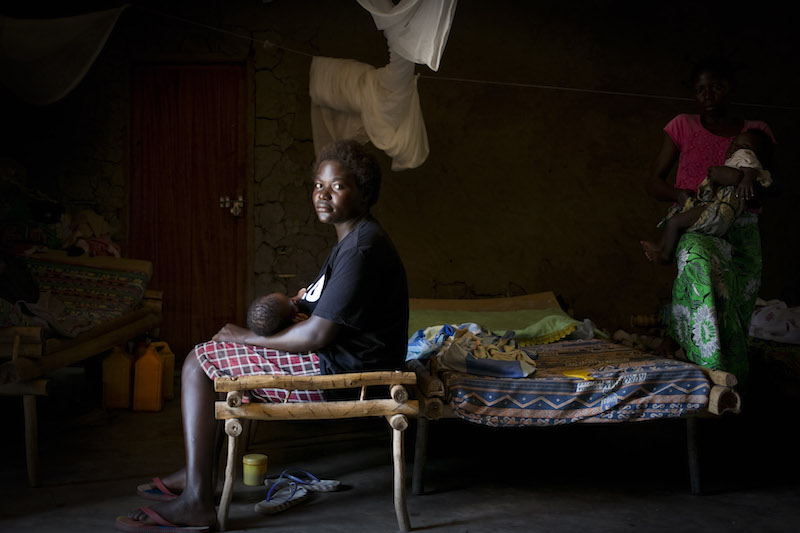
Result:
x=156 y=491
x=308 y=480
x=281 y=496
x=157 y=524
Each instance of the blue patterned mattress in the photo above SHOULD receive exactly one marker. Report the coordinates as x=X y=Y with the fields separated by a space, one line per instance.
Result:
x=588 y=381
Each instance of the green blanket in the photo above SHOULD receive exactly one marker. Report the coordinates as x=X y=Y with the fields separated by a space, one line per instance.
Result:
x=530 y=326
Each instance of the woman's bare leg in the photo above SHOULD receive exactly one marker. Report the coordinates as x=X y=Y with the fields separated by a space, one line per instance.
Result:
x=195 y=505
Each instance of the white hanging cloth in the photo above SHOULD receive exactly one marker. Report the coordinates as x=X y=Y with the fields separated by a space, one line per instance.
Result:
x=415 y=29
x=352 y=100
x=42 y=60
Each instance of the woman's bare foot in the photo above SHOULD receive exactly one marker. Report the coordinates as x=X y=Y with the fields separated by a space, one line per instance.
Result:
x=163 y=488
x=175 y=481
x=182 y=511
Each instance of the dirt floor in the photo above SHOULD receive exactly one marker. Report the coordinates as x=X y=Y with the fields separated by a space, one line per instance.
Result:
x=614 y=477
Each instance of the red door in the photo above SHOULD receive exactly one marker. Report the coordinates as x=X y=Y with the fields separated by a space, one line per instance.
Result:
x=189 y=150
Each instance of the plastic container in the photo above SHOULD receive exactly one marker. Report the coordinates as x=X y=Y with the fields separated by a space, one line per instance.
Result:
x=139 y=349
x=117 y=374
x=148 y=378
x=168 y=377
x=255 y=469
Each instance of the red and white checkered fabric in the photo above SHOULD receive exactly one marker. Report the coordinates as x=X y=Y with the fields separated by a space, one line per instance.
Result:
x=228 y=359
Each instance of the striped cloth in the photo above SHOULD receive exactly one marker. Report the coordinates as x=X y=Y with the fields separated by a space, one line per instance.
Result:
x=588 y=381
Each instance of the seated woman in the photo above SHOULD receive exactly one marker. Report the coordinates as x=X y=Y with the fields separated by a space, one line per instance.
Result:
x=357 y=321
x=718 y=276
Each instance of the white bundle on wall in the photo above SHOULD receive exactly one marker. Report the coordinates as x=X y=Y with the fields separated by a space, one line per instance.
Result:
x=352 y=100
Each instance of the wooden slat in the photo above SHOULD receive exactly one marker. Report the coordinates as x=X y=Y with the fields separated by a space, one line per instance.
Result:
x=316 y=410
x=720 y=377
x=153 y=300
x=723 y=400
x=431 y=408
x=25 y=349
x=36 y=387
x=25 y=333
x=20 y=341
x=57 y=345
x=24 y=368
x=333 y=381
x=100 y=261
x=427 y=385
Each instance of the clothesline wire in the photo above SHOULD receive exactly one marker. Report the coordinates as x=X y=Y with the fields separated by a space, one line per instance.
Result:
x=592 y=91
x=555 y=88
x=269 y=44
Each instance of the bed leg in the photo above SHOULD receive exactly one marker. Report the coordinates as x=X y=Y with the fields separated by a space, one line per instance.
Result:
x=694 y=461
x=233 y=428
x=399 y=423
x=31 y=438
x=420 y=457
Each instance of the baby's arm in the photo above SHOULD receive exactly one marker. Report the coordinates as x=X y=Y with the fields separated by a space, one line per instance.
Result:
x=744 y=179
x=724 y=176
x=748 y=186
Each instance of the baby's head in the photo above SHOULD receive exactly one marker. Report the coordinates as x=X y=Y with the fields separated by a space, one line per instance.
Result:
x=270 y=314
x=759 y=142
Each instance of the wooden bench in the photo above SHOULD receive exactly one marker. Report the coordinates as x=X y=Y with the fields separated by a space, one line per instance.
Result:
x=396 y=407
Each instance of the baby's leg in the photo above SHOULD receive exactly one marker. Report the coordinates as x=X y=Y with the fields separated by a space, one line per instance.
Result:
x=676 y=226
x=651 y=250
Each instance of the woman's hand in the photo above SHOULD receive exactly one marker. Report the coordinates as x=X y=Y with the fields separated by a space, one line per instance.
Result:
x=657 y=185
x=232 y=333
x=683 y=196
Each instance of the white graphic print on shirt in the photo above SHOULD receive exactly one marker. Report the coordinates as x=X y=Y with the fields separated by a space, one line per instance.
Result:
x=314 y=290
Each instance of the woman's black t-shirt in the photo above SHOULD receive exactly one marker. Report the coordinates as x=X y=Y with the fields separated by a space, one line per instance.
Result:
x=362 y=287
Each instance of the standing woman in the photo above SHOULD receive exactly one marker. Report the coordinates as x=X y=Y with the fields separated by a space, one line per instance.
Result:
x=357 y=320
x=717 y=277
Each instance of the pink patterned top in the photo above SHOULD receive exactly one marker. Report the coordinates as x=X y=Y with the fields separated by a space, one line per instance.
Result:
x=699 y=148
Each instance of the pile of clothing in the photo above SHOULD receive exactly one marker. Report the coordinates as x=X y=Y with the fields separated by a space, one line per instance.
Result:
x=474 y=350
x=774 y=320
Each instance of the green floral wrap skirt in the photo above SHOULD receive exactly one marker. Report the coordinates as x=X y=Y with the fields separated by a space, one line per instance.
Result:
x=714 y=295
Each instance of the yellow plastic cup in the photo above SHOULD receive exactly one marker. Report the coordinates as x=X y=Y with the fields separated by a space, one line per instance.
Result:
x=255 y=469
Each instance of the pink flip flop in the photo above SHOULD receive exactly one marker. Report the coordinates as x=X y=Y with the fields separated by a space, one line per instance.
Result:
x=156 y=491
x=158 y=524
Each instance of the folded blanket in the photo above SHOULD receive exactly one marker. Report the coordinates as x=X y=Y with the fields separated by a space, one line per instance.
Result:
x=486 y=355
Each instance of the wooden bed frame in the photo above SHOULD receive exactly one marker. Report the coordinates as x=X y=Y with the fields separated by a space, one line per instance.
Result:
x=431 y=391
x=26 y=357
